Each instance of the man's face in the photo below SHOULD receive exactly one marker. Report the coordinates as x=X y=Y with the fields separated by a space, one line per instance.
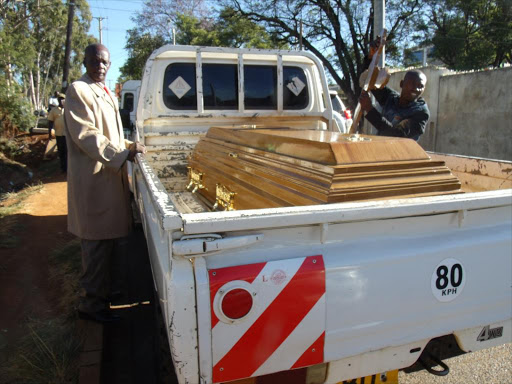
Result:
x=413 y=86
x=97 y=64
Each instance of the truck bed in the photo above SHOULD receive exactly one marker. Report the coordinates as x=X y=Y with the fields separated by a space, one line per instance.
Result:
x=388 y=244
x=169 y=157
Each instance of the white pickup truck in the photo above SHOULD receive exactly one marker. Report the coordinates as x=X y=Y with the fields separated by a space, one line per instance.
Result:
x=316 y=294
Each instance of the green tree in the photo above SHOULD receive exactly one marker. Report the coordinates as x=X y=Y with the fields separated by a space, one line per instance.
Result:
x=237 y=31
x=139 y=46
x=15 y=110
x=228 y=29
x=338 y=32
x=470 y=34
x=32 y=38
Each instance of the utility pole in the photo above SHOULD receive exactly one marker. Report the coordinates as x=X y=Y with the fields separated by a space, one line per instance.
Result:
x=379 y=22
x=99 y=26
x=67 y=52
x=300 y=35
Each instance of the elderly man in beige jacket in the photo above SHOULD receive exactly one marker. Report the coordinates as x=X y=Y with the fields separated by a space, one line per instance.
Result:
x=99 y=211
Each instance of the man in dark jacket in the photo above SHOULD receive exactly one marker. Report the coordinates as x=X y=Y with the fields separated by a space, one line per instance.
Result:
x=403 y=114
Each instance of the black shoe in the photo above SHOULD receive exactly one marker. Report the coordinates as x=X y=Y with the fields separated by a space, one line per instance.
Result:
x=116 y=295
x=102 y=316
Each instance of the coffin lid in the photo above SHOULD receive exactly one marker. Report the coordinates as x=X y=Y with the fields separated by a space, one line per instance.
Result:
x=324 y=147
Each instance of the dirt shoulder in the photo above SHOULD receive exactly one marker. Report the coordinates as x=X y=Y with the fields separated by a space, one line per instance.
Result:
x=34 y=229
x=25 y=288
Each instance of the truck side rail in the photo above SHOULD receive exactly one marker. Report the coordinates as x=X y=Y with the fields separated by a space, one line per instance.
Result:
x=343 y=212
x=167 y=215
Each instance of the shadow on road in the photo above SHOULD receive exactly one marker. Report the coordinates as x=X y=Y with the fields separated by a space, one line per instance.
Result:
x=132 y=347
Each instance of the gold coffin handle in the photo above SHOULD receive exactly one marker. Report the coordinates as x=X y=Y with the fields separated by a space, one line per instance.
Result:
x=224 y=198
x=195 y=180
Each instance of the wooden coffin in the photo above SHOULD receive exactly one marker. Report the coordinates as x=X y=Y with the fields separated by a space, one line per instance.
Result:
x=248 y=168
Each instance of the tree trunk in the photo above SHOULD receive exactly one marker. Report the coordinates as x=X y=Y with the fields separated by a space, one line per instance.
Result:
x=32 y=90
x=46 y=74
x=8 y=77
x=38 y=80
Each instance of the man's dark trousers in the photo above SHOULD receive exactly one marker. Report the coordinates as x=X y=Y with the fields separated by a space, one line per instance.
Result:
x=103 y=266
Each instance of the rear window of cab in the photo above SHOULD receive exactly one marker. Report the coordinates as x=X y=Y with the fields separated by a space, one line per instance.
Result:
x=220 y=87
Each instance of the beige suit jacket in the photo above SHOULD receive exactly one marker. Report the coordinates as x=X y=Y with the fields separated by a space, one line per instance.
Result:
x=98 y=192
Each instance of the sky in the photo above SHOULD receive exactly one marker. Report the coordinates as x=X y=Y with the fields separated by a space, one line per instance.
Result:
x=116 y=21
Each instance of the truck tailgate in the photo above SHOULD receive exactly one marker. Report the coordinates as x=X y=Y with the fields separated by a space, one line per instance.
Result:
x=323 y=293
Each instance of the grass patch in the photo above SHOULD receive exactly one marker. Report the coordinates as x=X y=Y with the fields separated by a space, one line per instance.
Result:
x=9 y=224
x=50 y=350
x=12 y=201
x=65 y=270
x=48 y=353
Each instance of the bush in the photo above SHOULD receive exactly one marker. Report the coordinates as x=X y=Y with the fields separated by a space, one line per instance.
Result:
x=9 y=148
x=15 y=111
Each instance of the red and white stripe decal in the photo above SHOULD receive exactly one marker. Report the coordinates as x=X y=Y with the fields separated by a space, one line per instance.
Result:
x=286 y=327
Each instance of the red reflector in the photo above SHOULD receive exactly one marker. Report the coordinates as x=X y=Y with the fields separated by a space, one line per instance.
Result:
x=236 y=303
x=348 y=114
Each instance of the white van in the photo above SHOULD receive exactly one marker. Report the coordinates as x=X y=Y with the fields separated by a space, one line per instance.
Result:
x=129 y=99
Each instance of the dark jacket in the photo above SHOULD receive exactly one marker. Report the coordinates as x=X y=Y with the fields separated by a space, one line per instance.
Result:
x=409 y=121
x=394 y=120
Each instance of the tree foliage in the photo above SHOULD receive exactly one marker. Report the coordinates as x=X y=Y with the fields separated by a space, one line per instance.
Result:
x=155 y=24
x=229 y=29
x=466 y=33
x=15 y=110
x=226 y=29
x=336 y=31
x=139 y=46
x=470 y=34
x=32 y=39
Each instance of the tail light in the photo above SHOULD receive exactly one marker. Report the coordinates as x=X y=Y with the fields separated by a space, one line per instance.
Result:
x=348 y=114
x=236 y=303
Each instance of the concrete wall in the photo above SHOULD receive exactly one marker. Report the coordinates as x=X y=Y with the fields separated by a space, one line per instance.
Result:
x=475 y=114
x=470 y=113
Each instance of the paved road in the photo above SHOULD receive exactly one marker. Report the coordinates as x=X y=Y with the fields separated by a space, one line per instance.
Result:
x=489 y=366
